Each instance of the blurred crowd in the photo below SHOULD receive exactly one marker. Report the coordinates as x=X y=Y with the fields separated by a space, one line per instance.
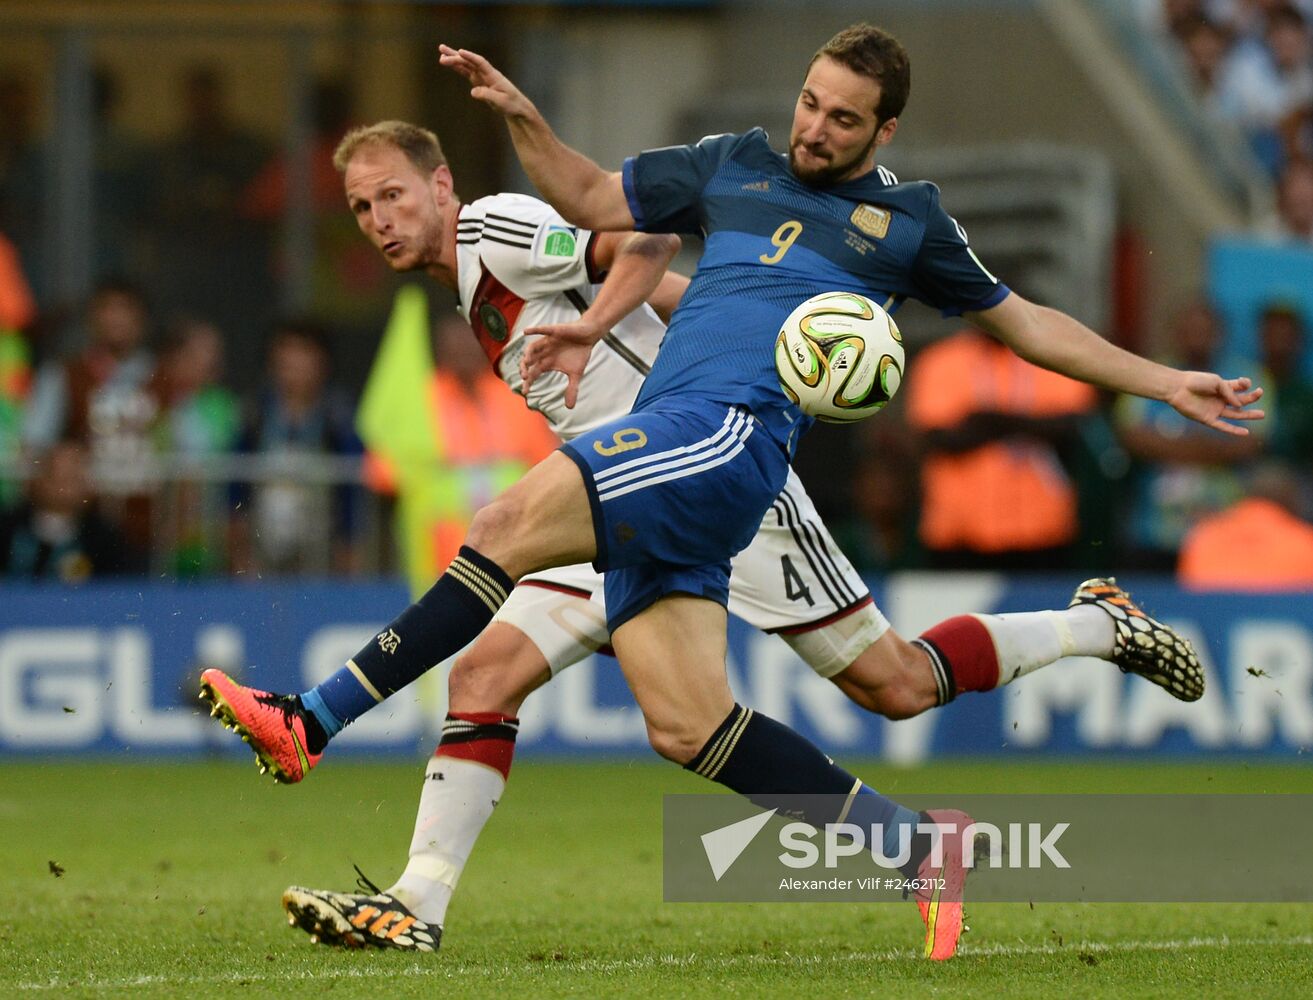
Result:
x=178 y=421
x=130 y=453
x=176 y=424
x=987 y=462
x=1251 y=64
x=195 y=217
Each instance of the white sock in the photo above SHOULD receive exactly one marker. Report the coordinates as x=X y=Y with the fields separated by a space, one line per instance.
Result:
x=458 y=799
x=1032 y=639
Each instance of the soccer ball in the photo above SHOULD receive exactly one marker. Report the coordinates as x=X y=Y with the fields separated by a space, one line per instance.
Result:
x=839 y=357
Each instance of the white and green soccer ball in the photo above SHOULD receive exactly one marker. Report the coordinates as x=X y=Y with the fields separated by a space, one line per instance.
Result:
x=839 y=357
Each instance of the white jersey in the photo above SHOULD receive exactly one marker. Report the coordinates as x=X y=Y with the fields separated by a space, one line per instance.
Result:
x=520 y=265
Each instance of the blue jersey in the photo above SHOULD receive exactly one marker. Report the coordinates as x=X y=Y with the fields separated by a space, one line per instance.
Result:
x=773 y=242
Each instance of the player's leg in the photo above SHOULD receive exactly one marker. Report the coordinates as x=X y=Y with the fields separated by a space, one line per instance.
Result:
x=977 y=652
x=899 y=679
x=548 y=623
x=543 y=520
x=467 y=774
x=692 y=719
x=552 y=620
x=604 y=494
x=463 y=782
x=889 y=677
x=795 y=581
x=680 y=687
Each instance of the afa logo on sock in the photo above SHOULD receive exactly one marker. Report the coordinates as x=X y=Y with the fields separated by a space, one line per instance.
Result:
x=389 y=641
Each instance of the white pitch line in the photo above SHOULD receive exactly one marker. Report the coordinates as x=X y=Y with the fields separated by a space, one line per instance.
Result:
x=648 y=962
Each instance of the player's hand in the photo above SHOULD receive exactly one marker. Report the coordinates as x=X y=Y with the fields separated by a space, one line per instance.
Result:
x=490 y=85
x=1213 y=401
x=562 y=347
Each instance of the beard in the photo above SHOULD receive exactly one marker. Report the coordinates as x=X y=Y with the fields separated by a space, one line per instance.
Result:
x=407 y=264
x=830 y=173
x=418 y=253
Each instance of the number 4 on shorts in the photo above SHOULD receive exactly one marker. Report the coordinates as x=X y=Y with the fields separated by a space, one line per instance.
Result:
x=795 y=587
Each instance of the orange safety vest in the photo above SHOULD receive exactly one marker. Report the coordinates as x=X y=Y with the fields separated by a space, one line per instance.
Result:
x=17 y=311
x=1253 y=545
x=1007 y=495
x=17 y=307
x=486 y=440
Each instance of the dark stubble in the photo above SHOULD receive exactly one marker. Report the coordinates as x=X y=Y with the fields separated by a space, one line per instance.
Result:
x=833 y=173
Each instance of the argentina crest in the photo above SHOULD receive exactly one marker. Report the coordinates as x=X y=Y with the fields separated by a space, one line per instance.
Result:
x=874 y=222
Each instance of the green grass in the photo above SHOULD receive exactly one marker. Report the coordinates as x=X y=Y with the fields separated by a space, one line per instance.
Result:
x=172 y=876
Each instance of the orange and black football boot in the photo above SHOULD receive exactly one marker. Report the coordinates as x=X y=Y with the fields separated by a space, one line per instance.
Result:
x=1144 y=645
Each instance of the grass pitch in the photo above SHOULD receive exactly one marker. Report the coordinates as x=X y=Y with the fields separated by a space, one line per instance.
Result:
x=169 y=879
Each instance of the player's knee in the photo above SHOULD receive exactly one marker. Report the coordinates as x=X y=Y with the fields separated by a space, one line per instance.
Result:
x=674 y=742
x=495 y=522
x=892 y=678
x=476 y=685
x=882 y=698
x=897 y=703
x=911 y=688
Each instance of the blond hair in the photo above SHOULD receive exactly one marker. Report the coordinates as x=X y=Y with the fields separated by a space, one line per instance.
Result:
x=420 y=145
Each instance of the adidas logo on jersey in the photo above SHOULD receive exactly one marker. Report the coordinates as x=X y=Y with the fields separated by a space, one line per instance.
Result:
x=757 y=186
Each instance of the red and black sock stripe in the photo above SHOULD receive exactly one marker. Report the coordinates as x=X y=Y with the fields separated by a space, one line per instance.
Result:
x=962 y=656
x=484 y=737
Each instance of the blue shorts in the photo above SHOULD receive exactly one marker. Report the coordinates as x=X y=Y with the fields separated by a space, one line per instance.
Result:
x=676 y=489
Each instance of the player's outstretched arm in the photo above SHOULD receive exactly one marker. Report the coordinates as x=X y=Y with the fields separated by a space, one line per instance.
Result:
x=1054 y=340
x=636 y=268
x=574 y=185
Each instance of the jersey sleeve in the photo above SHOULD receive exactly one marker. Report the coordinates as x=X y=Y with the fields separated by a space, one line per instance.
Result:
x=533 y=251
x=946 y=273
x=664 y=186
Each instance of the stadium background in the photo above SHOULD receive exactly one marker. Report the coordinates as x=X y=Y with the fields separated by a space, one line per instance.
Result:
x=183 y=147
x=1069 y=136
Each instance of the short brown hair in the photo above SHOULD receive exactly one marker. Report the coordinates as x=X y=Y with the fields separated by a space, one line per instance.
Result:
x=419 y=144
x=875 y=53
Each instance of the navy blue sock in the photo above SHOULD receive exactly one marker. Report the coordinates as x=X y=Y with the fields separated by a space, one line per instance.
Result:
x=772 y=765
x=455 y=610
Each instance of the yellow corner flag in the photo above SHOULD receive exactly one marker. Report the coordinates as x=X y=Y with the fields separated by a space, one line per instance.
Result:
x=395 y=419
x=397 y=423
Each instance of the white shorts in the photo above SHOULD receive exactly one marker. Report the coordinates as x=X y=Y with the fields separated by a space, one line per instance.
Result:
x=792 y=581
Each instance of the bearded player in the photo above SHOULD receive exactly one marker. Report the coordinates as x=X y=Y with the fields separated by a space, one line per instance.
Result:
x=672 y=658
x=519 y=269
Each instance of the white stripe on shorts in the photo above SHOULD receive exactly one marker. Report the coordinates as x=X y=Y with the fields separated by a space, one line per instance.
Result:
x=714 y=457
x=703 y=450
x=635 y=463
x=810 y=538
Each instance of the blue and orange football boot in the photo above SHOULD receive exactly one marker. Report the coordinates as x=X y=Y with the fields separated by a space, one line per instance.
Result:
x=273 y=724
x=1144 y=645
